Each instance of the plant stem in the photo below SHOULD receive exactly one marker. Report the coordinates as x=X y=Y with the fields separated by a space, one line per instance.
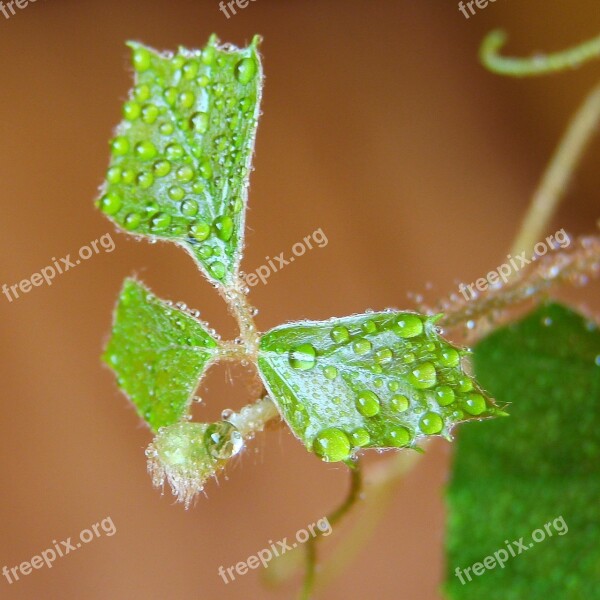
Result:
x=237 y=302
x=559 y=172
x=535 y=65
x=253 y=417
x=353 y=495
x=572 y=266
x=379 y=493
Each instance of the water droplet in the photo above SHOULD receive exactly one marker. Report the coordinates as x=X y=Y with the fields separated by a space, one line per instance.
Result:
x=190 y=70
x=474 y=404
x=399 y=403
x=398 y=436
x=367 y=403
x=145 y=180
x=303 y=357
x=206 y=169
x=176 y=193
x=444 y=395
x=464 y=384
x=362 y=346
x=340 y=334
x=187 y=99
x=223 y=440
x=141 y=92
x=149 y=113
x=423 y=376
x=110 y=203
x=199 y=122
x=189 y=208
x=431 y=423
x=330 y=372
x=131 y=110
x=245 y=70
x=384 y=355
x=170 y=96
x=393 y=386
x=119 y=146
x=128 y=175
x=332 y=445
x=224 y=227
x=142 y=59
x=132 y=221
x=448 y=357
x=162 y=168
x=200 y=230
x=113 y=175
x=205 y=252
x=409 y=326
x=174 y=151
x=160 y=222
x=146 y=150
x=185 y=174
x=217 y=269
x=369 y=326
x=360 y=437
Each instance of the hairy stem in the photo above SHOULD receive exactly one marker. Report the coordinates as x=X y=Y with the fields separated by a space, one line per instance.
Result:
x=559 y=172
x=571 y=266
x=237 y=302
x=535 y=65
x=253 y=417
x=352 y=497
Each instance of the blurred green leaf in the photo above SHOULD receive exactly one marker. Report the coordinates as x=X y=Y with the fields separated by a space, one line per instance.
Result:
x=376 y=380
x=158 y=354
x=513 y=476
x=182 y=155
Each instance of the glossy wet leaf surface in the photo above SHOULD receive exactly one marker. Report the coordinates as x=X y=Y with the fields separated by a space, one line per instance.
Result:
x=158 y=354
x=378 y=380
x=512 y=476
x=181 y=157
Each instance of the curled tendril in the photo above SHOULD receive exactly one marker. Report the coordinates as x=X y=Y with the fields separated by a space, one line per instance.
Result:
x=534 y=65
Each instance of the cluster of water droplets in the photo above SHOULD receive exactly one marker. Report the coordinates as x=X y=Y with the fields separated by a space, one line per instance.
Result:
x=404 y=387
x=180 y=158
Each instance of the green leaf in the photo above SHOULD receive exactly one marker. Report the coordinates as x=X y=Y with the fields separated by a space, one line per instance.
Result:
x=377 y=380
x=514 y=476
x=181 y=157
x=158 y=354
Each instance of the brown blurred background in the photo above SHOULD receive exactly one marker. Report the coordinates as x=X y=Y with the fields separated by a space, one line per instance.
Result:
x=380 y=128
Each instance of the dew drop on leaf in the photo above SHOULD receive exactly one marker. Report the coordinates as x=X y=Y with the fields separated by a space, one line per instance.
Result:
x=303 y=357
x=332 y=445
x=223 y=440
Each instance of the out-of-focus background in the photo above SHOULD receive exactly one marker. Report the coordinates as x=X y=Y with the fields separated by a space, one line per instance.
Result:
x=380 y=128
